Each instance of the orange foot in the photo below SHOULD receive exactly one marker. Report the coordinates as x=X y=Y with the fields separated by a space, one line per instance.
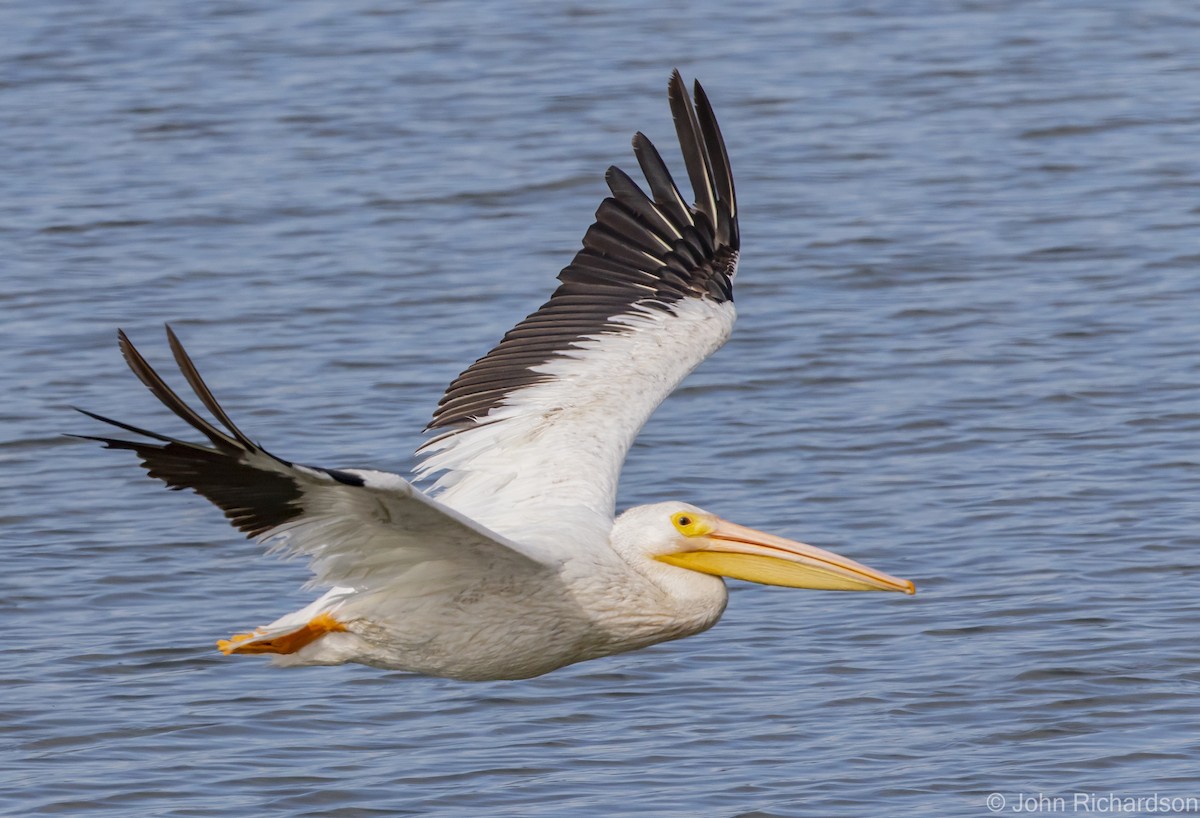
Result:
x=288 y=642
x=228 y=646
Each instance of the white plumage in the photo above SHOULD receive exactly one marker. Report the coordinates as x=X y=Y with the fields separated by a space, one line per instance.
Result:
x=512 y=564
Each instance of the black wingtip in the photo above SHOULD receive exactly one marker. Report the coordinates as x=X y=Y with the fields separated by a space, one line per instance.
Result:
x=642 y=251
x=109 y=443
x=696 y=151
x=201 y=390
x=719 y=166
x=137 y=430
x=169 y=398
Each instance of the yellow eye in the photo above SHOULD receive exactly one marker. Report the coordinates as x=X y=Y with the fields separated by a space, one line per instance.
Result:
x=689 y=525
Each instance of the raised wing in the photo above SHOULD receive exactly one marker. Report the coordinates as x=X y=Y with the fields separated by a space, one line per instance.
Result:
x=359 y=528
x=534 y=433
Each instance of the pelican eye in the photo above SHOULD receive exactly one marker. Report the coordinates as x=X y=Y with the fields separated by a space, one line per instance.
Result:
x=688 y=524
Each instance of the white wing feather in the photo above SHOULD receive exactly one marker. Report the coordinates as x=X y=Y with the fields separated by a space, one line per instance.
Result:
x=386 y=533
x=536 y=431
x=551 y=455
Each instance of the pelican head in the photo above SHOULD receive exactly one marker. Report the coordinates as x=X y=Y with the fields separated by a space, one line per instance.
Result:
x=688 y=538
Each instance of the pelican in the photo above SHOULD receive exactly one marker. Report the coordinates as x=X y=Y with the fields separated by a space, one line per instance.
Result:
x=512 y=563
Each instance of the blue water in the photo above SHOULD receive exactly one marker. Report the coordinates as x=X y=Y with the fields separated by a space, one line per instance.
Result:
x=967 y=354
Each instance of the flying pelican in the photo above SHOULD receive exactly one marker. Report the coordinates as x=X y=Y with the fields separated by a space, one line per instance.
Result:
x=512 y=565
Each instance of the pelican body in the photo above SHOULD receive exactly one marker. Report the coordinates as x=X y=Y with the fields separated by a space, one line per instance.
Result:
x=511 y=563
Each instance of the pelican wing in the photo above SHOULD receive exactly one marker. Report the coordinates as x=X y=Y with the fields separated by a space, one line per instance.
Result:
x=533 y=435
x=359 y=528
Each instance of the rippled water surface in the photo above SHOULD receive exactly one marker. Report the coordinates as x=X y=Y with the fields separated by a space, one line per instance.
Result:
x=968 y=353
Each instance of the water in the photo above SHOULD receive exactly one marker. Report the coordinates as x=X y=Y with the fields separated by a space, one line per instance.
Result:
x=966 y=354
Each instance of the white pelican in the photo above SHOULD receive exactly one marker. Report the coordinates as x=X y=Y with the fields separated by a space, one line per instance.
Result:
x=512 y=565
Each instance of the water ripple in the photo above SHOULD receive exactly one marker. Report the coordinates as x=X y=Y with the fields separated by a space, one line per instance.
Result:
x=966 y=353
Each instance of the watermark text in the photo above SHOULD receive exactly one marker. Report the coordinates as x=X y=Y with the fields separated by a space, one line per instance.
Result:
x=1097 y=803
